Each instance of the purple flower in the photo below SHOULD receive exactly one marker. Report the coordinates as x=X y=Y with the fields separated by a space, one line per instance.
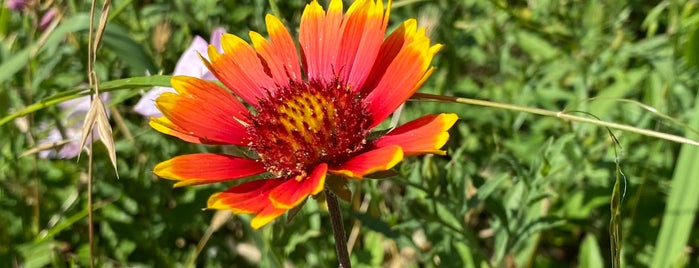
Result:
x=189 y=64
x=15 y=4
x=47 y=18
x=73 y=112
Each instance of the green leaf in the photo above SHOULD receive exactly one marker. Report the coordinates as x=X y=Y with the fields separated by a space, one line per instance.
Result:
x=20 y=59
x=118 y=40
x=538 y=48
x=625 y=83
x=127 y=83
x=299 y=239
x=67 y=223
x=691 y=49
x=682 y=203
x=376 y=225
x=590 y=254
x=115 y=39
x=615 y=235
x=4 y=20
x=37 y=254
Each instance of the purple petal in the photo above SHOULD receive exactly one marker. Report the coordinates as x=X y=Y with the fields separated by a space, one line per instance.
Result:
x=47 y=18
x=80 y=105
x=68 y=150
x=146 y=105
x=216 y=38
x=190 y=64
x=15 y=4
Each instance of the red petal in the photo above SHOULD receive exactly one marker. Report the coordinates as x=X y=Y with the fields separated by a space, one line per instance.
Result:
x=294 y=190
x=249 y=198
x=279 y=53
x=240 y=69
x=195 y=169
x=319 y=36
x=363 y=31
x=201 y=112
x=379 y=159
x=401 y=68
x=425 y=135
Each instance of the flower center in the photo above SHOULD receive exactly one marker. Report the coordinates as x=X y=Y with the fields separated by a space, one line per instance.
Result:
x=308 y=123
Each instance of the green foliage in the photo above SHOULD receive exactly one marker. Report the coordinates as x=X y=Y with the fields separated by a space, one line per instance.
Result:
x=680 y=214
x=515 y=190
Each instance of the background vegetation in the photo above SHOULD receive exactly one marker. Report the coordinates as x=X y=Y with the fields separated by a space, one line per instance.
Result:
x=516 y=189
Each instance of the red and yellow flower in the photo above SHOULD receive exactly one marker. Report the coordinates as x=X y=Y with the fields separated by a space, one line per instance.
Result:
x=302 y=117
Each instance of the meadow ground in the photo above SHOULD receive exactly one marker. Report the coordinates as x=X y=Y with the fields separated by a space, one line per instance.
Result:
x=515 y=189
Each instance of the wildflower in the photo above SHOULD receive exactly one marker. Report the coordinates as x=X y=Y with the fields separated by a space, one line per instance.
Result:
x=47 y=18
x=189 y=64
x=299 y=126
x=74 y=112
x=16 y=4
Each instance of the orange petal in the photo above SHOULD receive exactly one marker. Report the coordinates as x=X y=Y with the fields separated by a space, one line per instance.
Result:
x=166 y=126
x=319 y=36
x=267 y=215
x=363 y=31
x=389 y=49
x=425 y=135
x=249 y=198
x=379 y=159
x=401 y=68
x=205 y=168
x=240 y=69
x=201 y=112
x=294 y=190
x=279 y=54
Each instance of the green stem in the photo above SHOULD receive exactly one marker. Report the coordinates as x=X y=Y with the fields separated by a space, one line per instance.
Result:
x=560 y=114
x=338 y=229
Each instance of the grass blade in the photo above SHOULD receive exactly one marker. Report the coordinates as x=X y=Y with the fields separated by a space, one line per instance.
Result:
x=20 y=59
x=681 y=204
x=127 y=83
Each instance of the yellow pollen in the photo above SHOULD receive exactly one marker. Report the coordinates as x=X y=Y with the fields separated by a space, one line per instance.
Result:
x=306 y=114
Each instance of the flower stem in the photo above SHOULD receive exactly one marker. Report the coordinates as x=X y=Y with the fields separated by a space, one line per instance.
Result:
x=338 y=229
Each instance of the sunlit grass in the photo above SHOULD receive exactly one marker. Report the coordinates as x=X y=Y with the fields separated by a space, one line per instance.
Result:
x=516 y=188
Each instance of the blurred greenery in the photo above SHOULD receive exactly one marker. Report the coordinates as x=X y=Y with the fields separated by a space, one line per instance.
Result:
x=515 y=190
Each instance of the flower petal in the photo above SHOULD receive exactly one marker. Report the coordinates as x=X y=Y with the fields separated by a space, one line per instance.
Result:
x=267 y=215
x=294 y=190
x=425 y=135
x=206 y=168
x=216 y=35
x=201 y=112
x=146 y=105
x=164 y=125
x=319 y=36
x=379 y=159
x=363 y=31
x=240 y=69
x=249 y=198
x=189 y=63
x=401 y=68
x=279 y=54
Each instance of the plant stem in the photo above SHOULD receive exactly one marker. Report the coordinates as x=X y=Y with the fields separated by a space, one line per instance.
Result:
x=90 y=70
x=561 y=114
x=338 y=229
